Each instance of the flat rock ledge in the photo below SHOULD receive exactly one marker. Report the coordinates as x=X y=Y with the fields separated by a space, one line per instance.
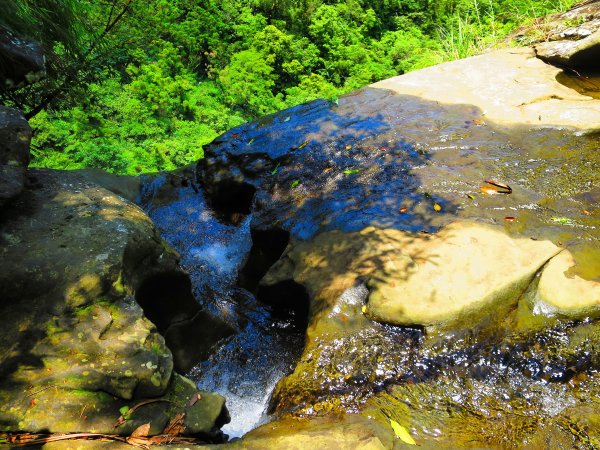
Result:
x=510 y=86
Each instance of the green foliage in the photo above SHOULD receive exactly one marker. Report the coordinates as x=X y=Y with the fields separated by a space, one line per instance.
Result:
x=48 y=21
x=177 y=73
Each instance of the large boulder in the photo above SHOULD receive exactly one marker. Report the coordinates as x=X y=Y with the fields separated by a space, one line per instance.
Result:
x=562 y=292
x=410 y=277
x=82 y=269
x=22 y=61
x=15 y=135
x=572 y=39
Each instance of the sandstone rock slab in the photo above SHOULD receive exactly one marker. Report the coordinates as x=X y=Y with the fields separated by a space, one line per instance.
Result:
x=465 y=271
x=572 y=53
x=510 y=86
x=563 y=293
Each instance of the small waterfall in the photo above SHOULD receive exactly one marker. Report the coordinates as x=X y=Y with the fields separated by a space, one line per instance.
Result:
x=245 y=367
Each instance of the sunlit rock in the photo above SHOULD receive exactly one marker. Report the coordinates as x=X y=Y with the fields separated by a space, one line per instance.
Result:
x=564 y=293
x=510 y=86
x=466 y=273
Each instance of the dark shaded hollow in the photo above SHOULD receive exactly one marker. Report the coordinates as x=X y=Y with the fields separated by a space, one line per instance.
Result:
x=231 y=201
x=584 y=82
x=189 y=331
x=166 y=298
x=267 y=248
x=588 y=59
x=289 y=300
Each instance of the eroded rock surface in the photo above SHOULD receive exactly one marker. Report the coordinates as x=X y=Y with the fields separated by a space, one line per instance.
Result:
x=572 y=39
x=77 y=345
x=375 y=193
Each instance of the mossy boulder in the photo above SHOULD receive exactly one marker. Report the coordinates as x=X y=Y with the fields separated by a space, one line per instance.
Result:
x=15 y=135
x=76 y=344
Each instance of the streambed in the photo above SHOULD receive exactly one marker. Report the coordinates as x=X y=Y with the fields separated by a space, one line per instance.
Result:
x=392 y=162
x=245 y=367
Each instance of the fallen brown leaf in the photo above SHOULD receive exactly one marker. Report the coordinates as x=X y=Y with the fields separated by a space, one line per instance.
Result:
x=176 y=425
x=141 y=431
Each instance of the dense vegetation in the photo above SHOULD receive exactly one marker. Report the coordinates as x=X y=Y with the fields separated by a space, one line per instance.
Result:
x=142 y=86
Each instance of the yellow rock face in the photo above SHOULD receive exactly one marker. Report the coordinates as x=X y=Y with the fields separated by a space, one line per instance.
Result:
x=456 y=278
x=561 y=293
x=510 y=86
x=462 y=274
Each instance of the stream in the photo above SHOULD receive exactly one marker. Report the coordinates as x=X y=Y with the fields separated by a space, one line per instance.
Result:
x=245 y=367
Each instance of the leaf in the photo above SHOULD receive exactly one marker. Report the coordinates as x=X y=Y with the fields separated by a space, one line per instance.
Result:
x=501 y=188
x=348 y=147
x=287 y=119
x=197 y=396
x=304 y=144
x=250 y=141
x=437 y=207
x=176 y=425
x=141 y=431
x=510 y=218
x=478 y=122
x=328 y=169
x=364 y=309
x=488 y=190
x=123 y=410
x=402 y=433
x=294 y=184
x=275 y=170
x=351 y=171
x=403 y=209
x=472 y=197
x=562 y=220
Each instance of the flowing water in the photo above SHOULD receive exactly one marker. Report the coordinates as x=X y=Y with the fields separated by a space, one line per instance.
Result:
x=245 y=367
x=391 y=162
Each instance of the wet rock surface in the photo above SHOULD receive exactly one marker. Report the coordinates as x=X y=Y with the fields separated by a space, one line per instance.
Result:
x=365 y=187
x=77 y=345
x=417 y=262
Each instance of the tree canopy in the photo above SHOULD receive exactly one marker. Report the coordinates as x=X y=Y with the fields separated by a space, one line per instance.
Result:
x=147 y=91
